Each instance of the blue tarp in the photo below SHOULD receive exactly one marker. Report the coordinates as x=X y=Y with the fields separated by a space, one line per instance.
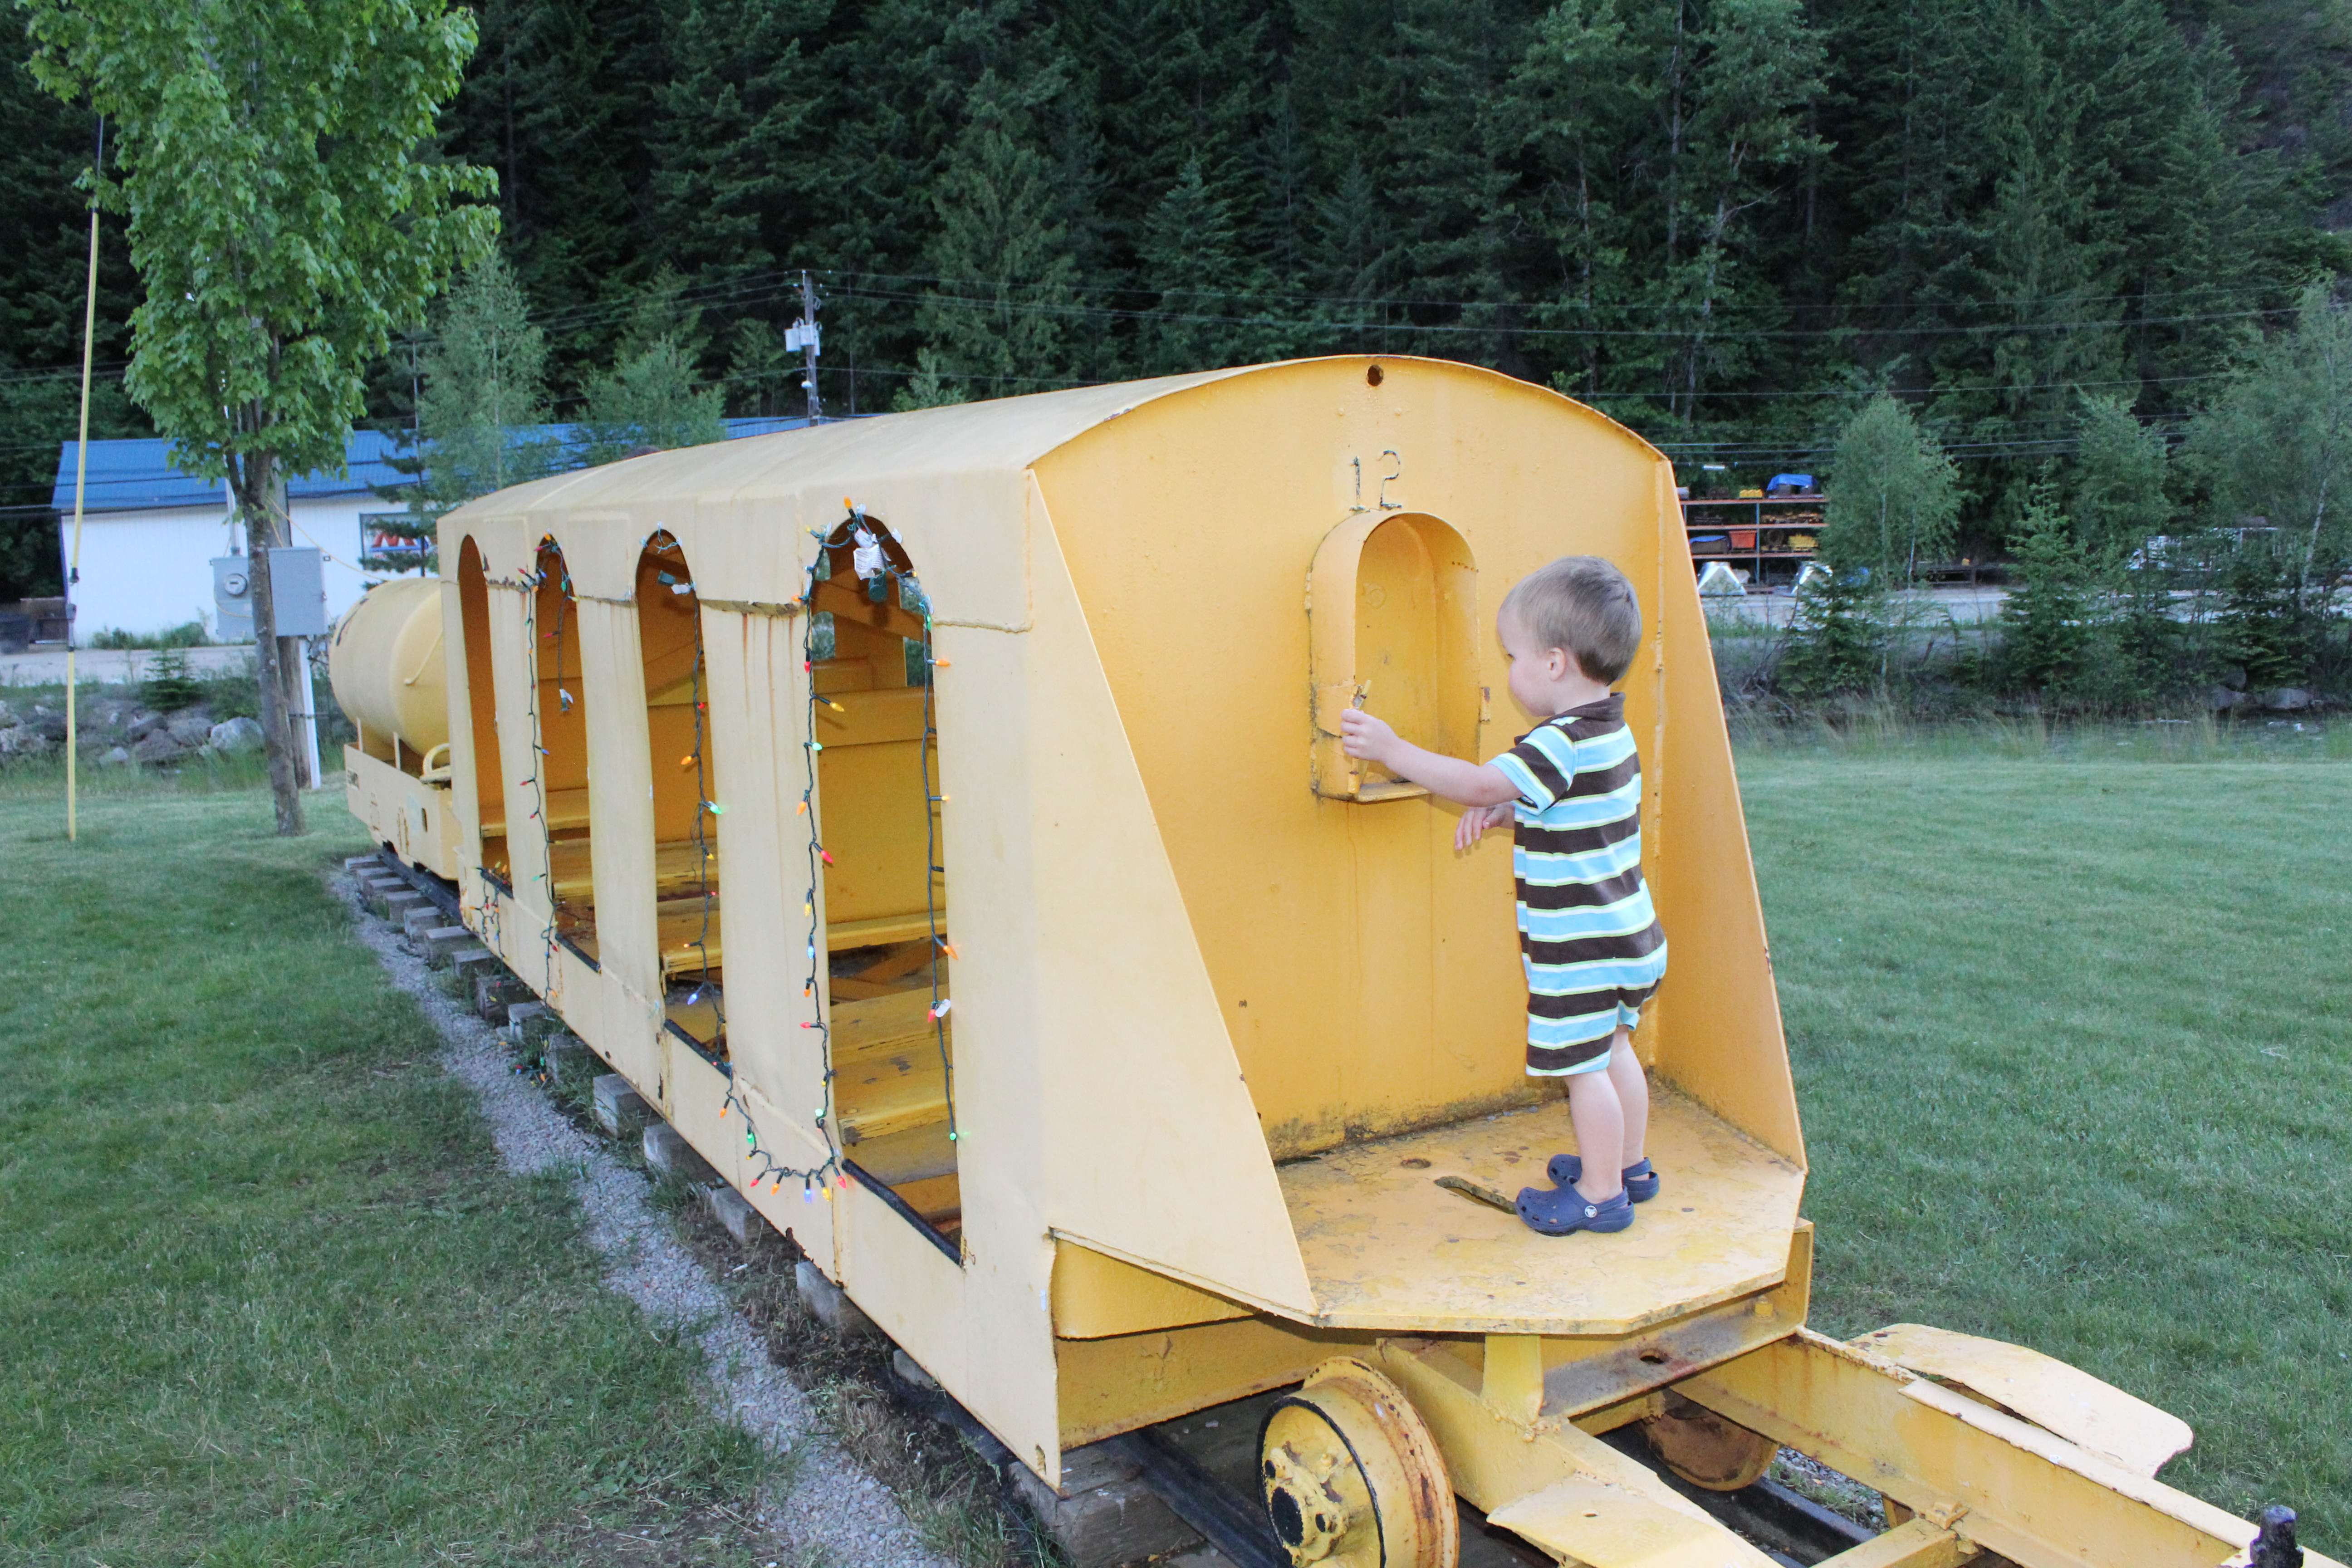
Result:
x=137 y=476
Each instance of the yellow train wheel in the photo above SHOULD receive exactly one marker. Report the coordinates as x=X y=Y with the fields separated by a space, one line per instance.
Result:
x=1351 y=1477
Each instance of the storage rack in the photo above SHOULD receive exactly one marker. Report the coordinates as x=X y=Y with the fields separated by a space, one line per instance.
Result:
x=1766 y=534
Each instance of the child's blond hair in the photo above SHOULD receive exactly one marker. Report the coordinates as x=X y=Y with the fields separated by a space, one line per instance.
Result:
x=1584 y=605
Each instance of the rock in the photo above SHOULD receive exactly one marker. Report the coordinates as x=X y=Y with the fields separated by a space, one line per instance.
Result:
x=2220 y=699
x=190 y=727
x=2235 y=678
x=667 y=1150
x=743 y=1222
x=117 y=757
x=830 y=1304
x=620 y=1109
x=157 y=746
x=2286 y=700
x=24 y=741
x=238 y=734
x=142 y=726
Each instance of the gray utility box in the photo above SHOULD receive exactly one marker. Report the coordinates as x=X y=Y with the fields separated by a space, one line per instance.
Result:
x=299 y=589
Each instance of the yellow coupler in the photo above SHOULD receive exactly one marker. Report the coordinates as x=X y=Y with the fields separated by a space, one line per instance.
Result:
x=1226 y=1009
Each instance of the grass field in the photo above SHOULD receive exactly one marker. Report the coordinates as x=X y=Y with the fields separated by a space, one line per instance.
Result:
x=265 y=1294
x=2071 y=1038
x=2070 y=1034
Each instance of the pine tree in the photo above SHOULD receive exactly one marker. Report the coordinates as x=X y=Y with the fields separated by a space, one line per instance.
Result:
x=1191 y=257
x=2047 y=621
x=999 y=318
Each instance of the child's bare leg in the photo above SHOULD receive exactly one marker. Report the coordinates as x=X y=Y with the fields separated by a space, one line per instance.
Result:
x=1600 y=1120
x=1633 y=1094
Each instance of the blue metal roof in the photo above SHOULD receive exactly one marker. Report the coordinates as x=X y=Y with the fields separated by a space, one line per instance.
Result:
x=139 y=475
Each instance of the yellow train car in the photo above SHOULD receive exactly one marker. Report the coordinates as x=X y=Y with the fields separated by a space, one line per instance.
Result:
x=940 y=819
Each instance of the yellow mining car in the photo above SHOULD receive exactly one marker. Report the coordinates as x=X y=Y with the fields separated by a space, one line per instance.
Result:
x=940 y=819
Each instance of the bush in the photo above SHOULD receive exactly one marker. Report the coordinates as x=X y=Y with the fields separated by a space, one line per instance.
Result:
x=169 y=687
x=191 y=635
x=1838 y=639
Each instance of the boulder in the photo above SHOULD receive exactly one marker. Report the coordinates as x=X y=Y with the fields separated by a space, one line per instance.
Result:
x=142 y=726
x=117 y=757
x=190 y=726
x=24 y=741
x=238 y=734
x=157 y=746
x=2220 y=699
x=2288 y=700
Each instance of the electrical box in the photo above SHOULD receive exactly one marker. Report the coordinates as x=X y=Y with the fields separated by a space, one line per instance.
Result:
x=298 y=587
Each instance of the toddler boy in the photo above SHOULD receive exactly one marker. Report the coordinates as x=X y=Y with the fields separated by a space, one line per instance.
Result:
x=1589 y=940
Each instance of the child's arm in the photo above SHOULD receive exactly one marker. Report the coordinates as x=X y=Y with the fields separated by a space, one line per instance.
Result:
x=1465 y=783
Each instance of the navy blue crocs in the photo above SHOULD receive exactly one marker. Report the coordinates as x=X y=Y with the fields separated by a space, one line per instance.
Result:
x=1641 y=1181
x=1564 y=1209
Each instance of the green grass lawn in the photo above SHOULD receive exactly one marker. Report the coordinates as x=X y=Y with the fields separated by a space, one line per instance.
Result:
x=2070 y=1038
x=265 y=1296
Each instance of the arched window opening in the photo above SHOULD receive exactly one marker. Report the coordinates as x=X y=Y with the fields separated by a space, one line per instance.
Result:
x=482 y=710
x=890 y=1032
x=1393 y=610
x=559 y=722
x=686 y=799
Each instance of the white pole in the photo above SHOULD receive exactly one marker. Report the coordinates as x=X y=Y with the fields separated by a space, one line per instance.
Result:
x=81 y=476
x=308 y=758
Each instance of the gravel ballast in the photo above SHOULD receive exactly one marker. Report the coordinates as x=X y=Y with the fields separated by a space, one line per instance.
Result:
x=828 y=1503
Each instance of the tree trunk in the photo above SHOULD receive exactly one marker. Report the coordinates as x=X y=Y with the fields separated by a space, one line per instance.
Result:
x=260 y=497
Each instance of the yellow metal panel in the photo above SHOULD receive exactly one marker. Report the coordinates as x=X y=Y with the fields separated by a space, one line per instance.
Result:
x=1715 y=1027
x=2063 y=1399
x=1118 y=1384
x=1916 y=1544
x=1992 y=1478
x=1497 y=1461
x=1388 y=1248
x=1095 y=1297
x=1603 y=1525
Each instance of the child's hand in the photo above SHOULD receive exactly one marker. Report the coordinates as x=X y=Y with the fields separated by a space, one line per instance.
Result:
x=1474 y=822
x=1365 y=737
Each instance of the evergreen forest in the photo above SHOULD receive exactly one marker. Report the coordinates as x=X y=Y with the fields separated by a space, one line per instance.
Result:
x=1730 y=224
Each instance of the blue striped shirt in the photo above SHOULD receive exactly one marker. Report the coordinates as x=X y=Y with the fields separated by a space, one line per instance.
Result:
x=1590 y=940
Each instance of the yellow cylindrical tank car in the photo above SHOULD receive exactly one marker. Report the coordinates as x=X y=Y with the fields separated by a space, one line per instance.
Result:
x=940 y=819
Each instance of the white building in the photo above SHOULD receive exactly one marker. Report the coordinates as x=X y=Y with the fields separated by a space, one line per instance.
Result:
x=150 y=532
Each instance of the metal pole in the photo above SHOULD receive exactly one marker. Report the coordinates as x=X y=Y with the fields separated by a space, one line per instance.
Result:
x=808 y=346
x=309 y=760
x=81 y=479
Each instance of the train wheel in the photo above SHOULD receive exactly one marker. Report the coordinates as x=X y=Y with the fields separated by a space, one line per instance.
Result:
x=1352 y=1477
x=1707 y=1450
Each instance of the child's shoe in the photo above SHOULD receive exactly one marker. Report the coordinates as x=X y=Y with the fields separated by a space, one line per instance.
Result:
x=1564 y=1209
x=1641 y=1181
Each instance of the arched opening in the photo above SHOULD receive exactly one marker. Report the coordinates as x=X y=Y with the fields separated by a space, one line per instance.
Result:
x=560 y=718
x=1394 y=609
x=878 y=801
x=481 y=711
x=686 y=799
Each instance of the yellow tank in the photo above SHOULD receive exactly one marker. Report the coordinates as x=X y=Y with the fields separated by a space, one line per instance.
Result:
x=386 y=667
x=390 y=675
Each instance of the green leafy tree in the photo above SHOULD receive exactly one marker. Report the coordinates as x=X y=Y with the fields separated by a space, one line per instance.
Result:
x=2277 y=443
x=2116 y=489
x=286 y=214
x=1893 y=496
